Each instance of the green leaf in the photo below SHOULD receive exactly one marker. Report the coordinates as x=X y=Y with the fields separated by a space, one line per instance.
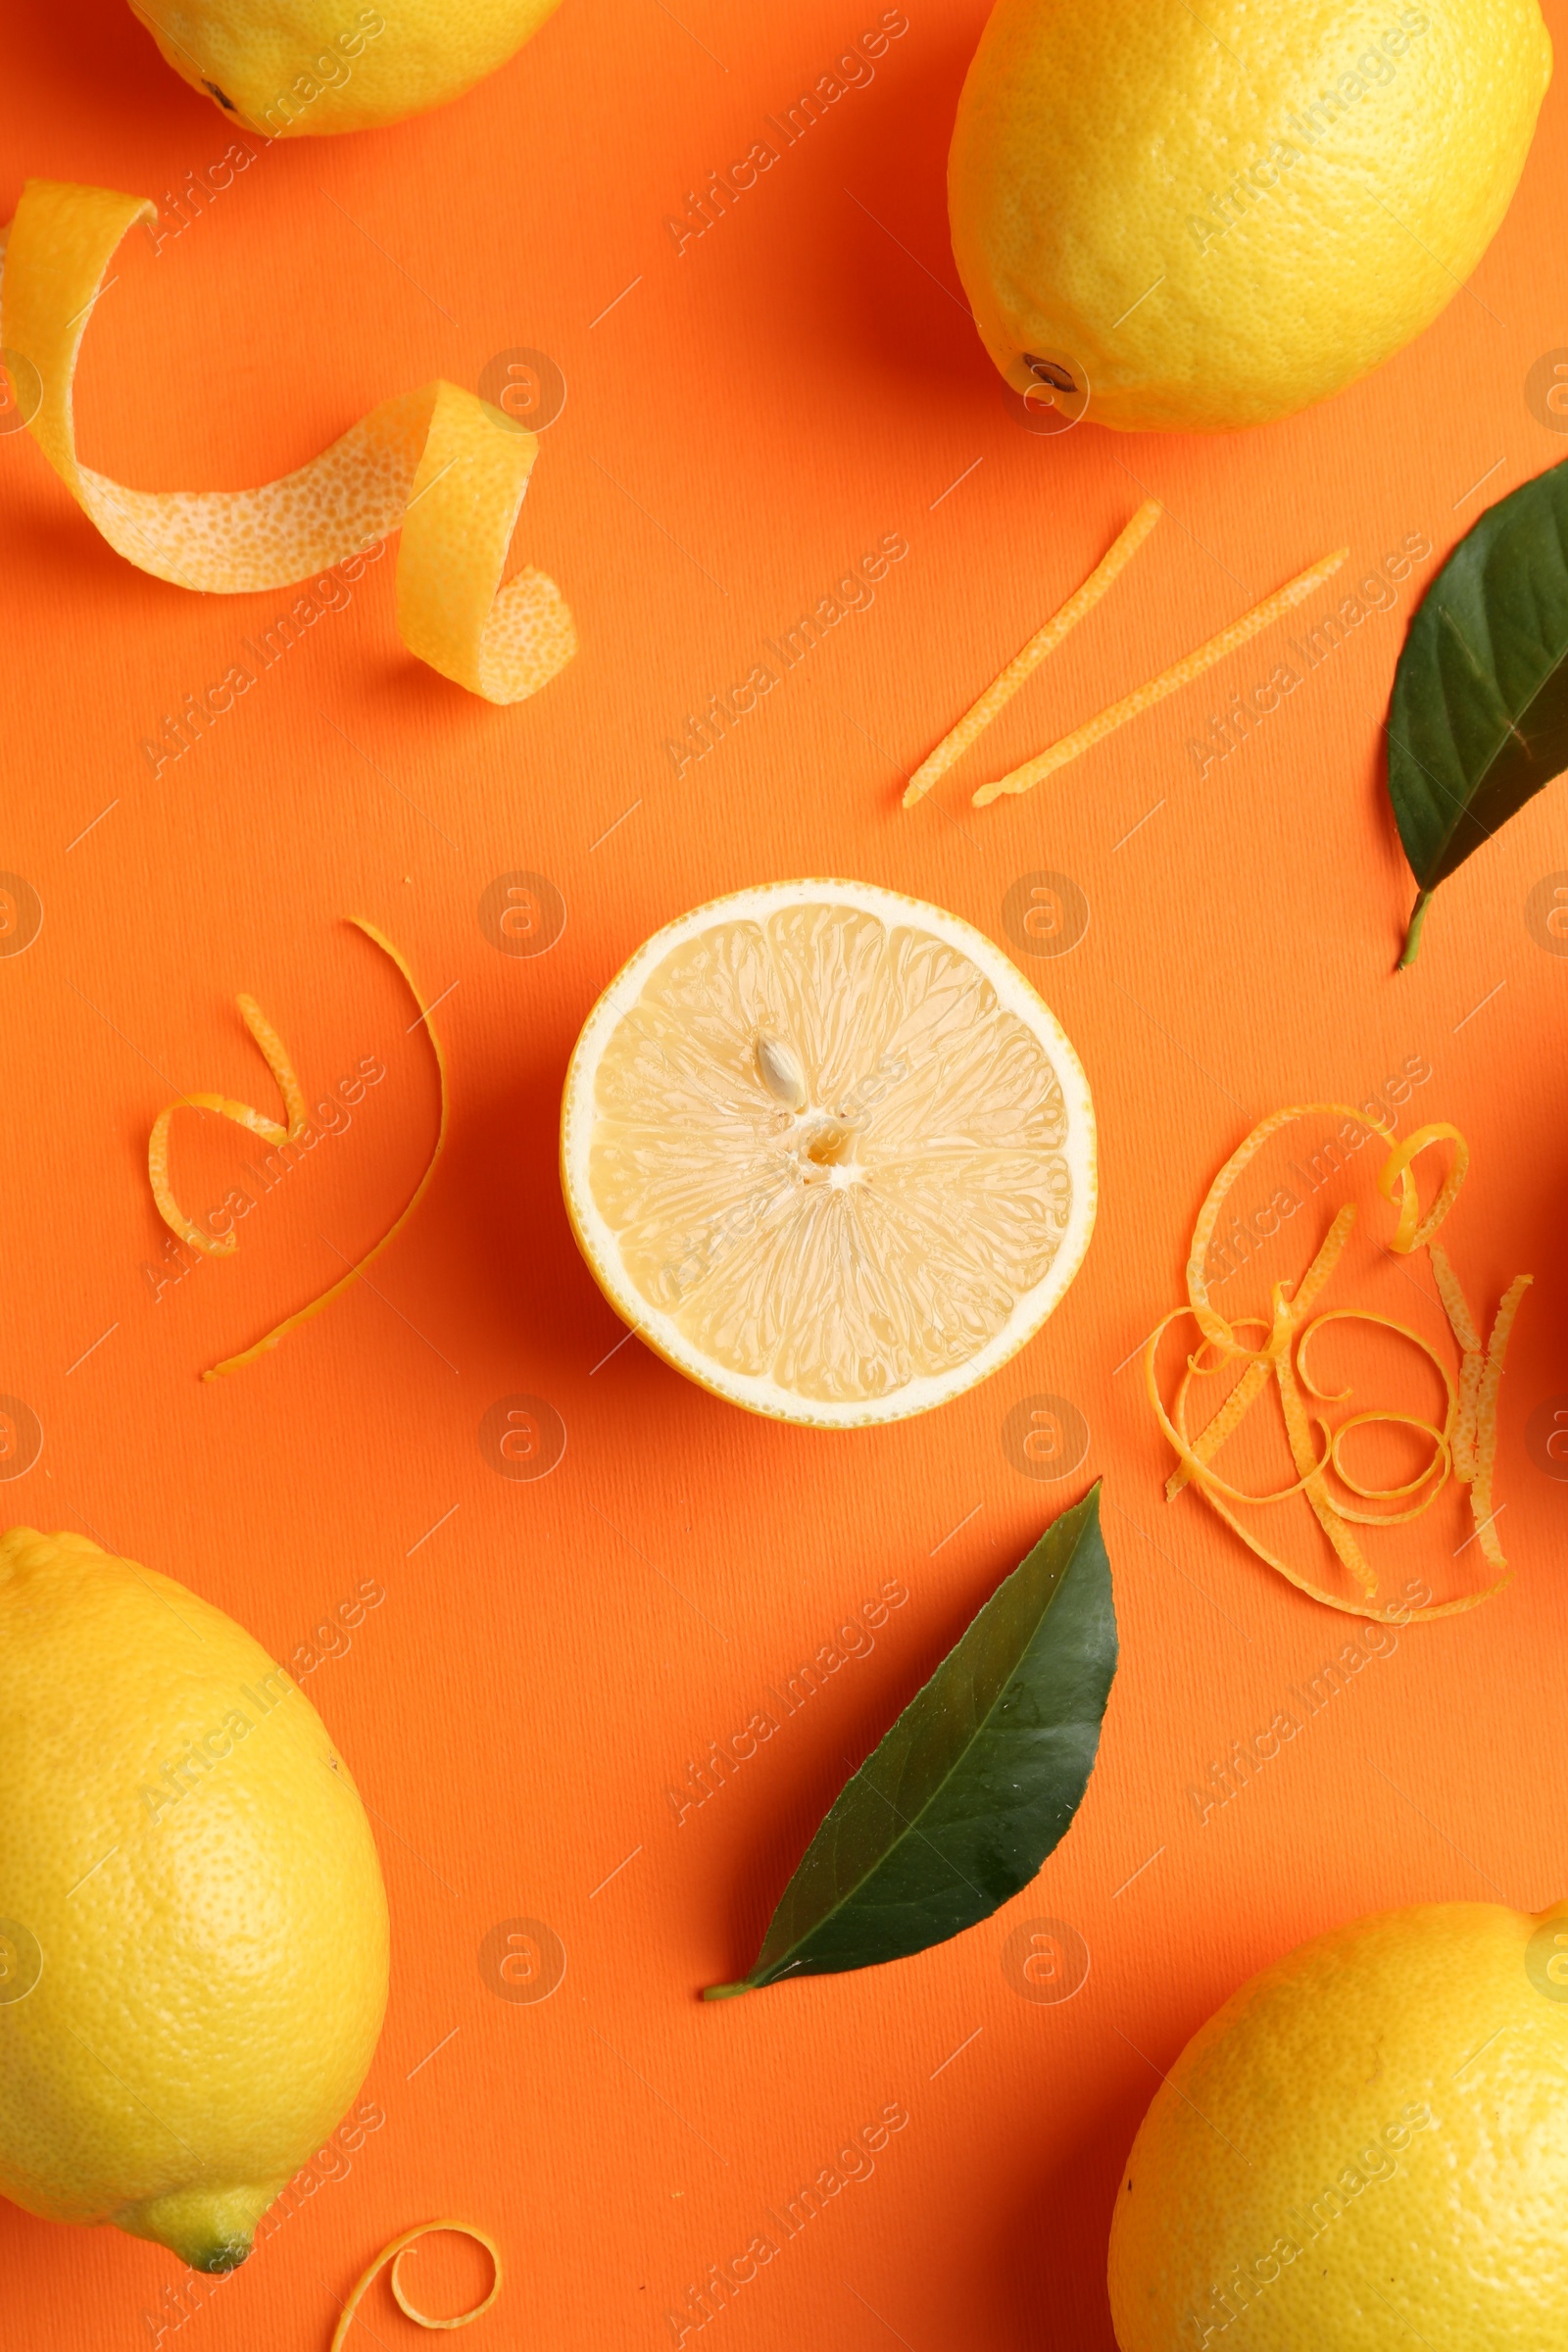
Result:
x=976 y=1782
x=1478 y=718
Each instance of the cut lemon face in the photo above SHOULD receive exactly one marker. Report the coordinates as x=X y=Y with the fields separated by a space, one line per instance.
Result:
x=827 y=1151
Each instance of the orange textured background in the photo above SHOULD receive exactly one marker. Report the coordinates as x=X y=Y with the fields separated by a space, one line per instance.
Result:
x=751 y=415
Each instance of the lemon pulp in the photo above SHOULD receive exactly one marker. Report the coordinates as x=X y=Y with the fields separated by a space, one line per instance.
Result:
x=829 y=1152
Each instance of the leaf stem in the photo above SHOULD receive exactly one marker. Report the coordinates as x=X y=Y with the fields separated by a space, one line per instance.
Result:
x=726 y=1992
x=1412 y=937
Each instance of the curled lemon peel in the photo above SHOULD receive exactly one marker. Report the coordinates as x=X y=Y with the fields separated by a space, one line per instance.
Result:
x=394 y=2254
x=438 y=464
x=1466 y=1443
x=1414 y=1231
x=303 y=1314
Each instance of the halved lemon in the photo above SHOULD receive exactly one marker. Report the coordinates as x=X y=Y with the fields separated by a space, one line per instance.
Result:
x=827 y=1151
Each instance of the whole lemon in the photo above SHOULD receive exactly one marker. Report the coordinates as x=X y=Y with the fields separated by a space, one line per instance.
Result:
x=193 y=1930
x=1193 y=218
x=1366 y=2147
x=297 y=69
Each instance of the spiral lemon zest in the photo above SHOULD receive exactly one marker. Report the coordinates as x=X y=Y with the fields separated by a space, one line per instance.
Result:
x=394 y=2254
x=280 y=1331
x=1464 y=1444
x=276 y=1053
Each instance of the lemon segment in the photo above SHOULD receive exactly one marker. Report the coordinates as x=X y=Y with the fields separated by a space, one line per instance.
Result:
x=827 y=1152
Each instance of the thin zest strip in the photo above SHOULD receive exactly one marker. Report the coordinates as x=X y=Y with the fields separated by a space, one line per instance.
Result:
x=1023 y=665
x=438 y=464
x=1471 y=1370
x=1455 y=1305
x=276 y=1056
x=1329 y=1518
x=394 y=2254
x=1462 y=1324
x=1210 y=1321
x=1485 y=1517
x=1414 y=1231
x=1254 y=1379
x=1169 y=682
x=1233 y=1409
x=233 y=1363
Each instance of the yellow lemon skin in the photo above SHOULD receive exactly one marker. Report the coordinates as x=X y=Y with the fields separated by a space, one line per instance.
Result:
x=193 y=1946
x=1215 y=217
x=1366 y=2147
x=301 y=69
